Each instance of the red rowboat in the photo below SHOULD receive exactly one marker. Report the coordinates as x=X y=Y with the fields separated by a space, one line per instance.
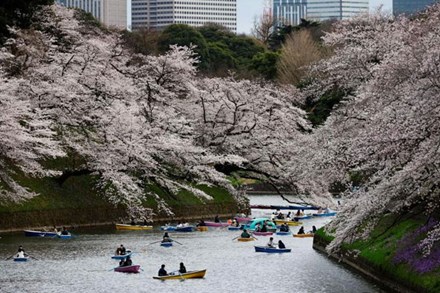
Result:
x=214 y=224
x=128 y=269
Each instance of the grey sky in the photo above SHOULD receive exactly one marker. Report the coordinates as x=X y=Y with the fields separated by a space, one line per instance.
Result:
x=247 y=10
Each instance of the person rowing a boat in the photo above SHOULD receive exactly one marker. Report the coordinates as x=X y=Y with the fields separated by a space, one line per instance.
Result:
x=182 y=268
x=270 y=243
x=301 y=230
x=120 y=250
x=216 y=219
x=64 y=232
x=20 y=252
x=162 y=271
x=166 y=238
x=245 y=234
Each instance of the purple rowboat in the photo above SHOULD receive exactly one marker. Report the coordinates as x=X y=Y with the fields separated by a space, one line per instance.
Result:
x=214 y=224
x=262 y=233
x=128 y=269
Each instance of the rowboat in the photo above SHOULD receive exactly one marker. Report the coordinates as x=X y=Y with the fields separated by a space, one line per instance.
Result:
x=32 y=233
x=289 y=207
x=168 y=228
x=243 y=219
x=128 y=269
x=214 y=224
x=245 y=239
x=271 y=249
x=233 y=228
x=25 y=258
x=132 y=227
x=166 y=244
x=185 y=229
x=122 y=256
x=290 y=223
x=189 y=275
x=297 y=218
x=303 y=235
x=282 y=233
x=64 y=236
x=262 y=233
x=202 y=228
x=325 y=214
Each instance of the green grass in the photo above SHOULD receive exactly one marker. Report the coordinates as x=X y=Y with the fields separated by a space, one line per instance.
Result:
x=379 y=250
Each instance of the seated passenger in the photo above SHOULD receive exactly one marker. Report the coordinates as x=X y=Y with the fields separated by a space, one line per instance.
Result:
x=264 y=228
x=281 y=244
x=301 y=230
x=201 y=223
x=182 y=268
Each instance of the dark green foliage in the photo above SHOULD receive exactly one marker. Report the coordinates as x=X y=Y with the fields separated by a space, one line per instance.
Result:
x=220 y=50
x=142 y=41
x=266 y=64
x=184 y=35
x=18 y=13
x=319 y=110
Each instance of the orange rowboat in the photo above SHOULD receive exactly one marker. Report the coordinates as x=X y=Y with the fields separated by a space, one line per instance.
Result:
x=245 y=239
x=303 y=235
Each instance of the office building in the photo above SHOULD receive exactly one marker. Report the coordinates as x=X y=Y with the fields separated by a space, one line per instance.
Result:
x=291 y=11
x=115 y=13
x=158 y=14
x=321 y=10
x=410 y=6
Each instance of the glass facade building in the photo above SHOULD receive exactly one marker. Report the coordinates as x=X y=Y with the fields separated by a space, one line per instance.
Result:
x=110 y=12
x=291 y=11
x=410 y=6
x=321 y=10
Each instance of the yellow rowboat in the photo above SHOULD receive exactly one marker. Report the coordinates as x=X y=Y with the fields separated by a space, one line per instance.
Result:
x=132 y=227
x=289 y=223
x=188 y=275
x=202 y=228
x=245 y=239
x=303 y=235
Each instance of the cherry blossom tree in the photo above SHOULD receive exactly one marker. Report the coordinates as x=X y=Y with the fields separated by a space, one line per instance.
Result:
x=387 y=126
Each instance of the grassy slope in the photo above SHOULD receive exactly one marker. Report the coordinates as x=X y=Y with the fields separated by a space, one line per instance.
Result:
x=380 y=249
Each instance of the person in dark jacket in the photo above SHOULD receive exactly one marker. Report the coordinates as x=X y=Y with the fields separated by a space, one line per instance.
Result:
x=313 y=229
x=301 y=230
x=216 y=219
x=281 y=244
x=245 y=234
x=166 y=238
x=162 y=271
x=264 y=228
x=182 y=268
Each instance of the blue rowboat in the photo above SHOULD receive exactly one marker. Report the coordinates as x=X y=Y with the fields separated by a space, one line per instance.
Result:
x=66 y=236
x=21 y=258
x=123 y=256
x=168 y=228
x=32 y=233
x=297 y=218
x=185 y=229
x=271 y=249
x=325 y=214
x=166 y=244
x=284 y=233
x=233 y=228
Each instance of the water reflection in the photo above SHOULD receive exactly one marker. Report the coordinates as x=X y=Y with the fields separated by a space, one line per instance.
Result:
x=83 y=264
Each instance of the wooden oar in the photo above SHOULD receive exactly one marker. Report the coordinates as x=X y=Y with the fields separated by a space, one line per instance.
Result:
x=254 y=237
x=155 y=242
x=32 y=257
x=10 y=257
x=235 y=238
x=176 y=241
